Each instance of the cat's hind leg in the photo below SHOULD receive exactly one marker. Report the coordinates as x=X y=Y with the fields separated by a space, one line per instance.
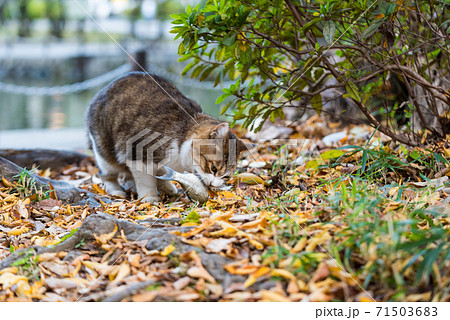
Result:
x=127 y=181
x=109 y=174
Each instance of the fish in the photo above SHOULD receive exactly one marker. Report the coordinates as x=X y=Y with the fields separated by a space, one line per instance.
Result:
x=191 y=183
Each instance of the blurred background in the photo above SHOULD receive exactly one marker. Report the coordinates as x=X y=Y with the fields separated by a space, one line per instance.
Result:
x=56 y=54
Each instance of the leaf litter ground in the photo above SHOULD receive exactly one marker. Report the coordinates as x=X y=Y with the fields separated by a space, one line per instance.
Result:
x=339 y=215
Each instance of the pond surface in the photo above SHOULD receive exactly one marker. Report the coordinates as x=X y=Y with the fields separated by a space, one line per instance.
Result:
x=67 y=111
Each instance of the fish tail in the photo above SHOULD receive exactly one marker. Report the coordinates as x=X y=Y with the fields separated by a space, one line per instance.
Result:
x=170 y=174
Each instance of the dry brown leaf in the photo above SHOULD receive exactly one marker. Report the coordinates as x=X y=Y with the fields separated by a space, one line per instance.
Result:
x=123 y=272
x=321 y=272
x=144 y=297
x=8 y=279
x=269 y=296
x=200 y=272
x=181 y=283
x=218 y=245
x=104 y=238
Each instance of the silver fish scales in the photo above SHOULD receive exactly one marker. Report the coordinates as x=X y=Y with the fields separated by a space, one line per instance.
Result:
x=191 y=183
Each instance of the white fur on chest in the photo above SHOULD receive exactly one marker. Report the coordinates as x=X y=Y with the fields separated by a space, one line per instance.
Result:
x=178 y=157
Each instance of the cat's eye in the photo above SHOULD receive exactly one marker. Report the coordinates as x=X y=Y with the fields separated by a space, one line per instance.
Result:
x=213 y=168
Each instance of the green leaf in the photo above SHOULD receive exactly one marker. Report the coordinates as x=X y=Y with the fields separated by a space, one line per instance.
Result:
x=364 y=161
x=311 y=23
x=220 y=54
x=317 y=46
x=371 y=29
x=188 y=67
x=230 y=39
x=353 y=91
x=222 y=98
x=331 y=154
x=415 y=155
x=21 y=262
x=191 y=18
x=329 y=30
x=193 y=216
x=312 y=164
x=67 y=236
x=206 y=73
x=225 y=108
x=316 y=103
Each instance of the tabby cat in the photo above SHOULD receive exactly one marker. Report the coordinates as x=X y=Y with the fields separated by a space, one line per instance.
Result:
x=140 y=122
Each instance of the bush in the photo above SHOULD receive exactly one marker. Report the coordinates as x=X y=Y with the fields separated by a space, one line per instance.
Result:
x=297 y=53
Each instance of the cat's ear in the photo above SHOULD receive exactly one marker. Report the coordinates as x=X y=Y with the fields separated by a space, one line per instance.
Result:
x=220 y=131
x=244 y=146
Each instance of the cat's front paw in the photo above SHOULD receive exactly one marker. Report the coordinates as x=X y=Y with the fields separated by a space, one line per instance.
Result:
x=167 y=187
x=151 y=199
x=118 y=194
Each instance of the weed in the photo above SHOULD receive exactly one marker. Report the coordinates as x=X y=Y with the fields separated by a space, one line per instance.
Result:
x=26 y=185
x=81 y=244
x=28 y=264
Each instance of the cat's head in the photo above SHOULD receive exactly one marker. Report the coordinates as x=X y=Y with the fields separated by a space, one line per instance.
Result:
x=215 y=151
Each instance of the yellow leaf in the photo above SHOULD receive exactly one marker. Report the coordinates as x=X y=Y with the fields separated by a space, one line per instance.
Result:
x=253 y=277
x=124 y=271
x=6 y=183
x=99 y=267
x=9 y=269
x=190 y=224
x=256 y=244
x=418 y=297
x=379 y=16
x=167 y=250
x=23 y=289
x=96 y=189
x=447 y=153
x=104 y=238
x=200 y=19
x=227 y=194
x=18 y=231
x=250 y=280
x=299 y=245
x=9 y=279
x=247 y=269
x=365 y=299
x=282 y=273
x=393 y=191
x=273 y=296
x=250 y=178
x=316 y=14
x=261 y=271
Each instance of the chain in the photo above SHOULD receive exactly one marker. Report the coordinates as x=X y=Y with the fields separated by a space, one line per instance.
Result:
x=65 y=89
x=104 y=78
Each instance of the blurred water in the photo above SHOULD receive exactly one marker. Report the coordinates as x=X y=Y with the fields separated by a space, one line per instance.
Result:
x=67 y=111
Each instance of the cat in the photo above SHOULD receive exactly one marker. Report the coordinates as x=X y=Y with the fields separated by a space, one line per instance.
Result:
x=140 y=122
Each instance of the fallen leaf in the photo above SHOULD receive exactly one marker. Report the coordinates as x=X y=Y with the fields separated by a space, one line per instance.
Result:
x=181 y=283
x=250 y=178
x=200 y=272
x=321 y=272
x=144 y=297
x=218 y=245
x=168 y=250
x=124 y=271
x=8 y=279
x=273 y=296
